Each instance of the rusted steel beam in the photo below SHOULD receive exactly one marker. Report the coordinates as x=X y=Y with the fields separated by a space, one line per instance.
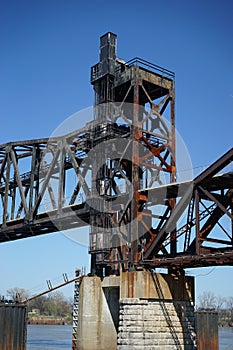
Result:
x=215 y=167
x=197 y=228
x=78 y=187
x=5 y=198
x=218 y=203
x=216 y=258
x=32 y=179
x=134 y=229
x=216 y=240
x=51 y=289
x=221 y=163
x=45 y=183
x=170 y=224
x=3 y=163
x=215 y=215
x=61 y=174
x=76 y=168
x=18 y=180
x=21 y=206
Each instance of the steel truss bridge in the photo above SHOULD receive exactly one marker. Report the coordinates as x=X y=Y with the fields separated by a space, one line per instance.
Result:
x=204 y=201
x=118 y=175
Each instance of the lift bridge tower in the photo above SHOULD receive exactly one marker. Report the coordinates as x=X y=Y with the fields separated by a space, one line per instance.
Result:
x=140 y=218
x=134 y=150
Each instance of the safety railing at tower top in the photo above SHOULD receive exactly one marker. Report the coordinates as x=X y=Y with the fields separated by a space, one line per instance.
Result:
x=136 y=61
x=96 y=72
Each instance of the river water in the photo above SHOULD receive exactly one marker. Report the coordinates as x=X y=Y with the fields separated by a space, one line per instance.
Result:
x=225 y=336
x=59 y=337
x=41 y=337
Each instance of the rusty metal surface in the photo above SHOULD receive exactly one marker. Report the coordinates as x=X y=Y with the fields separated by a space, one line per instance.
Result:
x=13 y=327
x=147 y=224
x=148 y=285
x=207 y=330
x=212 y=196
x=138 y=83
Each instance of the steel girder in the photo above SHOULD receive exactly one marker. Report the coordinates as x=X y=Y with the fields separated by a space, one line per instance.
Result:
x=138 y=94
x=65 y=182
x=205 y=231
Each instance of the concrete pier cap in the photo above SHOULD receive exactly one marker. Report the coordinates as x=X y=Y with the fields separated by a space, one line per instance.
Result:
x=149 y=285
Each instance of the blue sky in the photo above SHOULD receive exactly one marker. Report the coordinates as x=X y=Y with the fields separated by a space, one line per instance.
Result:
x=47 y=49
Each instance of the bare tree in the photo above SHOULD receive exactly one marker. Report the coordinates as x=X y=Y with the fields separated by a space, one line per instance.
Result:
x=17 y=294
x=229 y=303
x=207 y=300
x=220 y=301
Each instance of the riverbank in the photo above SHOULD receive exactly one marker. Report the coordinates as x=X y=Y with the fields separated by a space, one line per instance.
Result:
x=49 y=320
x=225 y=324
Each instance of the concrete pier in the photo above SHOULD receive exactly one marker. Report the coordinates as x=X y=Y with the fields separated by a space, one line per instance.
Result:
x=136 y=310
x=98 y=313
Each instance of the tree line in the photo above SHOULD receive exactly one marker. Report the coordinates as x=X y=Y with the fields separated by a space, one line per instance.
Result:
x=54 y=304
x=223 y=305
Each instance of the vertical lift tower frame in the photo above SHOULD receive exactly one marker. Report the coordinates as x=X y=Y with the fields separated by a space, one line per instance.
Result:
x=131 y=100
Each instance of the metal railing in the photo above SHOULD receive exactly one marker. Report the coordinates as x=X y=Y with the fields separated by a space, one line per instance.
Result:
x=136 y=61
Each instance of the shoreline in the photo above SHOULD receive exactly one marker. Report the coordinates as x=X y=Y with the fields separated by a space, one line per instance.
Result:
x=47 y=321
